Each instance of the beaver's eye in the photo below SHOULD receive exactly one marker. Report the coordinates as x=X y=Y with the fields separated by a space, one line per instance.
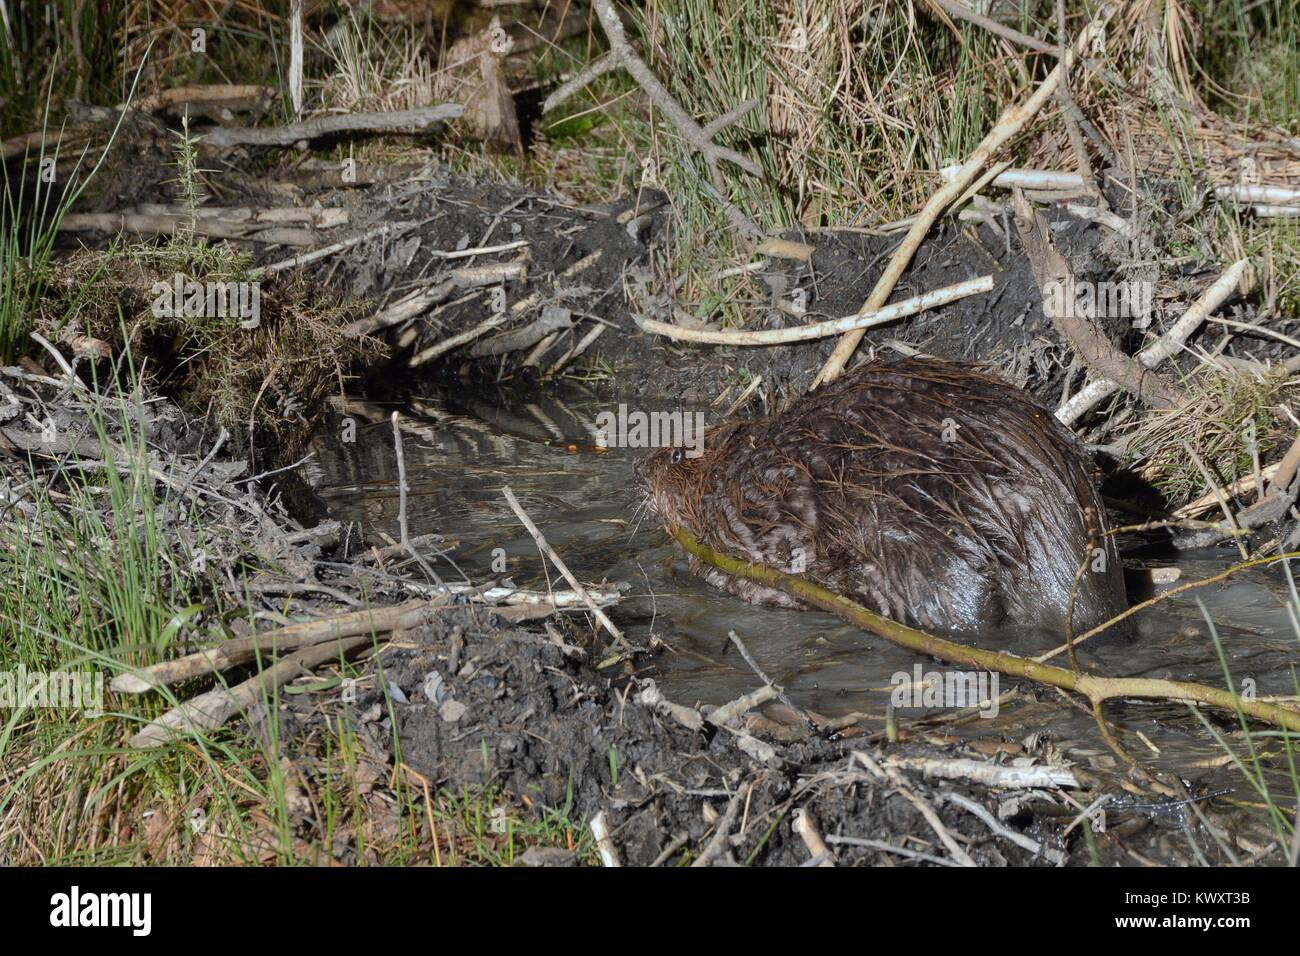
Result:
x=677 y=456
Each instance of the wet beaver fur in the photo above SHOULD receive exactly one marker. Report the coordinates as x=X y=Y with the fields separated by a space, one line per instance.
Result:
x=924 y=489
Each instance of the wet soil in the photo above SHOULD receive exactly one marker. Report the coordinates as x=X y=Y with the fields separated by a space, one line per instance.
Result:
x=559 y=735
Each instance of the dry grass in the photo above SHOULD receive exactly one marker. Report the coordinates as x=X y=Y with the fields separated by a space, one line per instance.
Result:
x=371 y=67
x=270 y=380
x=1224 y=407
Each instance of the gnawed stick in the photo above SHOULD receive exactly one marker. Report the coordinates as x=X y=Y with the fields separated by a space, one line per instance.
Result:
x=411 y=305
x=1011 y=122
x=767 y=681
x=604 y=841
x=1214 y=296
x=900 y=783
x=1051 y=854
x=729 y=714
x=228 y=96
x=391 y=229
x=889 y=313
x=1057 y=284
x=1220 y=499
x=455 y=341
x=989 y=774
x=1045 y=179
x=325 y=217
x=115 y=222
x=717 y=845
x=805 y=827
x=212 y=709
x=513 y=604
x=290 y=638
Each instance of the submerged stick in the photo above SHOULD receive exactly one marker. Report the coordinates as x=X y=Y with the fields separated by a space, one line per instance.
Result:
x=1096 y=688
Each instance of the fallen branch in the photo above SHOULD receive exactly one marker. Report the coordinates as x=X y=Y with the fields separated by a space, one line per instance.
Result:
x=989 y=774
x=166 y=225
x=419 y=301
x=560 y=566
x=1096 y=688
x=805 y=827
x=393 y=229
x=518 y=603
x=1262 y=195
x=721 y=835
x=959 y=10
x=691 y=131
x=1051 y=854
x=1054 y=275
x=242 y=650
x=1168 y=344
x=596 y=68
x=398 y=121
x=457 y=340
x=890 y=775
x=228 y=96
x=212 y=709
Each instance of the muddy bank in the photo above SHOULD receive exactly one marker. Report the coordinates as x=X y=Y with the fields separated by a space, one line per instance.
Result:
x=475 y=704
x=604 y=263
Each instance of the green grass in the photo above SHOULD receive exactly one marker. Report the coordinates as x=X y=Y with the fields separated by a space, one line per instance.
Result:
x=34 y=201
x=50 y=52
x=482 y=827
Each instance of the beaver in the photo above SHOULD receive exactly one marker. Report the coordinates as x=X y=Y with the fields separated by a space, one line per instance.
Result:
x=925 y=489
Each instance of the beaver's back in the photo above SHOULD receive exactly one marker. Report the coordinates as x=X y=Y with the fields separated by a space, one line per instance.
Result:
x=923 y=488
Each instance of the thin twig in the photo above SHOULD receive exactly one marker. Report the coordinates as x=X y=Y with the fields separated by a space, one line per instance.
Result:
x=962 y=12
x=560 y=566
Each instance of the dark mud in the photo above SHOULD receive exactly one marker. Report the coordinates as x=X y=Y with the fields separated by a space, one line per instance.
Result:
x=1005 y=327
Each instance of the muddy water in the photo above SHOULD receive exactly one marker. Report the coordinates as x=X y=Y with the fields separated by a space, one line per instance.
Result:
x=461 y=450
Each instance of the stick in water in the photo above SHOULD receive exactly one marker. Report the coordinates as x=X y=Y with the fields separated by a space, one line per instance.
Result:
x=560 y=566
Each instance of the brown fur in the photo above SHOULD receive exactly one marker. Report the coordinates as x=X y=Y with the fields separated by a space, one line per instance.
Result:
x=986 y=529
